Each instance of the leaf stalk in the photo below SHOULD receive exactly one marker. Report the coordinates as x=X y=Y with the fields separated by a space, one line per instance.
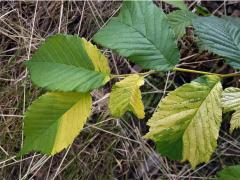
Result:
x=181 y=70
x=206 y=73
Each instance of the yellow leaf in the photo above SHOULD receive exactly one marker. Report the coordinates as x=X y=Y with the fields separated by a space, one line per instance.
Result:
x=99 y=61
x=126 y=96
x=231 y=102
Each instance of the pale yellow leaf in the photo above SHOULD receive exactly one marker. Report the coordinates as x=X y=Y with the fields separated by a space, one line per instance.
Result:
x=126 y=96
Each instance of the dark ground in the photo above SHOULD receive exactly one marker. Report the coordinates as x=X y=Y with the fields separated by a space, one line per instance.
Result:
x=107 y=148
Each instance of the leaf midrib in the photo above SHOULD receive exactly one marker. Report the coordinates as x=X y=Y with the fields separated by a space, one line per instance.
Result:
x=200 y=106
x=154 y=45
x=68 y=65
x=198 y=110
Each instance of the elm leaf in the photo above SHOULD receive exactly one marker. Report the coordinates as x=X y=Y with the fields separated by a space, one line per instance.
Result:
x=68 y=63
x=187 y=122
x=53 y=121
x=220 y=36
x=141 y=32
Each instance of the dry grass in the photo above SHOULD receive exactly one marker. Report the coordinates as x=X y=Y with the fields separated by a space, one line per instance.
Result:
x=107 y=148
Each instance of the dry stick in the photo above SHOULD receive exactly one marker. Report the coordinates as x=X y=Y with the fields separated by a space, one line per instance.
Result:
x=188 y=57
x=49 y=169
x=70 y=162
x=109 y=19
x=197 y=62
x=12 y=163
x=114 y=63
x=109 y=132
x=36 y=165
x=99 y=15
x=40 y=166
x=60 y=18
x=146 y=147
x=64 y=157
x=4 y=151
x=11 y=115
x=94 y=15
x=81 y=19
x=24 y=99
x=219 y=7
x=2 y=16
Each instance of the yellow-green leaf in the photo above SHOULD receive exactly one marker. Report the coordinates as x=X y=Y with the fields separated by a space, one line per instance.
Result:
x=231 y=102
x=99 y=61
x=187 y=122
x=54 y=120
x=68 y=63
x=126 y=96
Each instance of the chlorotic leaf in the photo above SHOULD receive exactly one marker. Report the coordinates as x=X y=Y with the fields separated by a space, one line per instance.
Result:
x=231 y=102
x=68 y=63
x=141 y=33
x=229 y=173
x=54 y=120
x=179 y=20
x=126 y=96
x=177 y=3
x=222 y=37
x=187 y=122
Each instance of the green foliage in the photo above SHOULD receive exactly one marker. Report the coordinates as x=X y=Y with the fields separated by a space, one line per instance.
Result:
x=233 y=20
x=126 y=96
x=181 y=19
x=141 y=33
x=231 y=102
x=202 y=10
x=68 y=63
x=187 y=122
x=54 y=120
x=229 y=173
x=219 y=36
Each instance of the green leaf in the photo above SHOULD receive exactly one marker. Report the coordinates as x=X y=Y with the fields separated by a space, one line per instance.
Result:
x=219 y=36
x=179 y=3
x=233 y=20
x=229 y=173
x=126 y=96
x=141 y=33
x=179 y=20
x=68 y=63
x=54 y=120
x=187 y=122
x=231 y=102
x=202 y=10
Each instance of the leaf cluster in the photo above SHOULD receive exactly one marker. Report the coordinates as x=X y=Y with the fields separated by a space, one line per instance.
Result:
x=187 y=122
